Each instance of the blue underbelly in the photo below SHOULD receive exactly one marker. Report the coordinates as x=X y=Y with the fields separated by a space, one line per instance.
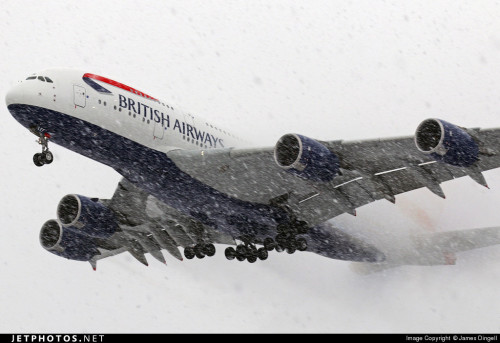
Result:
x=159 y=176
x=153 y=172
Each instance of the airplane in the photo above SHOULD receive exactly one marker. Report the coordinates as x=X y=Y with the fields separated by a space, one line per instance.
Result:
x=190 y=183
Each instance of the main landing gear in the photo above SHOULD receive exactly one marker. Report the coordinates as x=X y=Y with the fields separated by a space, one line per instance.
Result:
x=200 y=250
x=45 y=157
x=246 y=251
x=287 y=239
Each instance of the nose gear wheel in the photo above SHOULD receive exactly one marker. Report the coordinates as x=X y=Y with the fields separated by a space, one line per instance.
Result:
x=45 y=157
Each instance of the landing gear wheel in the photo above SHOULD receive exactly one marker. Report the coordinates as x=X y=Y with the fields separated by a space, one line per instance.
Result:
x=252 y=254
x=269 y=244
x=262 y=254
x=198 y=251
x=230 y=253
x=302 y=227
x=252 y=250
x=37 y=160
x=189 y=253
x=209 y=250
x=252 y=258
x=240 y=257
x=291 y=245
x=279 y=248
x=301 y=244
x=281 y=228
x=241 y=252
x=281 y=239
x=47 y=157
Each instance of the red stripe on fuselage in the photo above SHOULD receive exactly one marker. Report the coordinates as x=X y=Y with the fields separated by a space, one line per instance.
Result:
x=119 y=85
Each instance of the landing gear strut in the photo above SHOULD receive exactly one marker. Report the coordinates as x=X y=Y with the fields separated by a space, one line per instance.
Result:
x=45 y=157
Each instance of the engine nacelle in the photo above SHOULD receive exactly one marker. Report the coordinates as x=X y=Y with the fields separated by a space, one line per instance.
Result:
x=306 y=158
x=66 y=242
x=89 y=216
x=446 y=142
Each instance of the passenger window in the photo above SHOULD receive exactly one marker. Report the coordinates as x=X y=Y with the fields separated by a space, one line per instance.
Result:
x=41 y=78
x=48 y=80
x=31 y=78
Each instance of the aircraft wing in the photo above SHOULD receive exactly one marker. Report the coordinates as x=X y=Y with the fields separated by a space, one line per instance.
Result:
x=147 y=225
x=370 y=170
x=133 y=221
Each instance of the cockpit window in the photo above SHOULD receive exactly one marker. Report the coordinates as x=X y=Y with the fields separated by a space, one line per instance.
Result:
x=41 y=78
x=48 y=79
x=31 y=78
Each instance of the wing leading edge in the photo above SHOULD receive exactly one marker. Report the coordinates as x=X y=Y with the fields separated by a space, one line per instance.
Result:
x=369 y=171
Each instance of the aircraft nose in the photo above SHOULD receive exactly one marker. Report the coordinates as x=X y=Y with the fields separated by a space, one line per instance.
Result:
x=14 y=95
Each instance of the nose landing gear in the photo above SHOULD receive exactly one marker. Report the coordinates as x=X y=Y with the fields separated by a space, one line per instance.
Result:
x=45 y=157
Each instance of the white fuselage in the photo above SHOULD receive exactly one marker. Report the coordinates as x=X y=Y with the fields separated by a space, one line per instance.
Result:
x=123 y=111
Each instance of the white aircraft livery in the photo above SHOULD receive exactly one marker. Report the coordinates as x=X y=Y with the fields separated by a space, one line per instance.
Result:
x=189 y=183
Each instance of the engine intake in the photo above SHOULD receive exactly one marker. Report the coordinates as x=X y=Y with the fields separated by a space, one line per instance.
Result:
x=66 y=242
x=88 y=215
x=446 y=143
x=306 y=158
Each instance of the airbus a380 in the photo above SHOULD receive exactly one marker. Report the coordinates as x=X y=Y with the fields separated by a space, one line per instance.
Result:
x=189 y=183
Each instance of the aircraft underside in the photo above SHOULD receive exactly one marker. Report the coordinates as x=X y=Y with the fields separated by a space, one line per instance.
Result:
x=195 y=193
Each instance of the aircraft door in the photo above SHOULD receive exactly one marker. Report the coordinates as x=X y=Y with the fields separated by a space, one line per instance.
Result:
x=159 y=131
x=79 y=96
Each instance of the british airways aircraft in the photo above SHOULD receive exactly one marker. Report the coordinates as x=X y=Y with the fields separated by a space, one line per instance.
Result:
x=189 y=183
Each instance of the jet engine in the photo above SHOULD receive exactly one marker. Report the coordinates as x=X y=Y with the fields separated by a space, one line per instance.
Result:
x=66 y=242
x=86 y=215
x=446 y=143
x=306 y=158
